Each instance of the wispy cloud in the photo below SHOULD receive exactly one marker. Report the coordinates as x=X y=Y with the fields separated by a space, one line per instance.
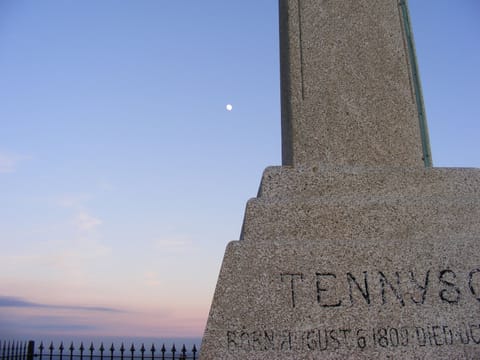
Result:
x=173 y=244
x=152 y=279
x=73 y=200
x=8 y=162
x=85 y=222
x=12 y=301
x=83 y=219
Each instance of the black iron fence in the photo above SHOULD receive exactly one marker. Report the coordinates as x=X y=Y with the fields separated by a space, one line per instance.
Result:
x=28 y=350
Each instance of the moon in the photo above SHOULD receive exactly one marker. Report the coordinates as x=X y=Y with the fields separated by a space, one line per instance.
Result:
x=229 y=107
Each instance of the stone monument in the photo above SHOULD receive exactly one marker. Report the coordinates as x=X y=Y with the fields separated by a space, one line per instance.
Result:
x=355 y=248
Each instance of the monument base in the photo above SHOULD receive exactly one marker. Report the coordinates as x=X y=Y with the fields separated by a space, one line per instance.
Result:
x=352 y=264
x=340 y=300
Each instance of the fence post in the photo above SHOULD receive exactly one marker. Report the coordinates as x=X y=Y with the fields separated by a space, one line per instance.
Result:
x=31 y=350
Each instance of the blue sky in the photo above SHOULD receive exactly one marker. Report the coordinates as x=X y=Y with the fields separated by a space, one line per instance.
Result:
x=123 y=177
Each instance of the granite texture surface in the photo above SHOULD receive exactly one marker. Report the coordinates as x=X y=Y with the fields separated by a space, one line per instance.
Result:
x=396 y=299
x=346 y=85
x=363 y=203
x=353 y=263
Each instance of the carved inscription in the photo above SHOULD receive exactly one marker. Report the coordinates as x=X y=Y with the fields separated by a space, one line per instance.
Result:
x=401 y=288
x=330 y=339
x=326 y=291
x=292 y=278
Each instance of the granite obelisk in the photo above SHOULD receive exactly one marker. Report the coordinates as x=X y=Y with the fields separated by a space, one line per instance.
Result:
x=349 y=94
x=355 y=248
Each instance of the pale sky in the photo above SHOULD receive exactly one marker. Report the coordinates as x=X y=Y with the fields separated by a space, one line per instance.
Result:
x=122 y=174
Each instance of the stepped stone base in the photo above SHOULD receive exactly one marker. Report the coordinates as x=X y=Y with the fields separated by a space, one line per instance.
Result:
x=350 y=263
